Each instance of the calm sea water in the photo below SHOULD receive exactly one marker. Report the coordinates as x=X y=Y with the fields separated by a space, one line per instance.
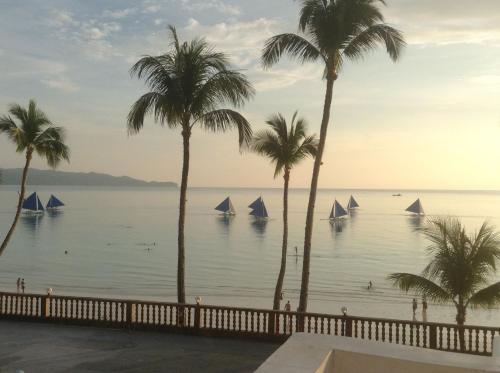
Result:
x=123 y=243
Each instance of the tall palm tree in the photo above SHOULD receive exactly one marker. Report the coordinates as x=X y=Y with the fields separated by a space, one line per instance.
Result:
x=286 y=148
x=188 y=85
x=331 y=32
x=34 y=133
x=460 y=268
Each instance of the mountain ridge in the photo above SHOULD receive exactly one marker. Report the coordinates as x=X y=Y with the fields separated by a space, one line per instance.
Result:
x=12 y=176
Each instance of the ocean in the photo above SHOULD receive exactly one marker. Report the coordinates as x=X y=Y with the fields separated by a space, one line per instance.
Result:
x=122 y=243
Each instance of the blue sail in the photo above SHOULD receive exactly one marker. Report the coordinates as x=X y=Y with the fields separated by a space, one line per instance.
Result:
x=352 y=204
x=33 y=203
x=54 y=202
x=255 y=204
x=337 y=211
x=259 y=209
x=226 y=206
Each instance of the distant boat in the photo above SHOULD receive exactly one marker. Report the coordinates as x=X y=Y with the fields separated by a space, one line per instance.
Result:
x=397 y=195
x=352 y=204
x=33 y=204
x=54 y=203
x=337 y=211
x=226 y=207
x=416 y=208
x=258 y=209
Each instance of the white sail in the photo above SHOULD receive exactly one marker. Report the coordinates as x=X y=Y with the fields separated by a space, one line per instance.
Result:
x=416 y=207
x=352 y=204
x=337 y=211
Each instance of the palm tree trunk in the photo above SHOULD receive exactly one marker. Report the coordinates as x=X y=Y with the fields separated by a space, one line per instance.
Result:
x=304 y=289
x=460 y=323
x=181 y=290
x=281 y=276
x=29 y=155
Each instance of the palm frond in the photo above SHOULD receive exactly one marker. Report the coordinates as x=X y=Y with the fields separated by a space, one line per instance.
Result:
x=369 y=39
x=159 y=105
x=293 y=45
x=50 y=145
x=420 y=285
x=222 y=120
x=487 y=297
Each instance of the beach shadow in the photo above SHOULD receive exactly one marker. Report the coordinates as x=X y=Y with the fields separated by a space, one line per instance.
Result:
x=259 y=226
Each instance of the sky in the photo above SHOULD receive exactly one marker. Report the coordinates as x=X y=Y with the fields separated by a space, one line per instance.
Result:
x=430 y=121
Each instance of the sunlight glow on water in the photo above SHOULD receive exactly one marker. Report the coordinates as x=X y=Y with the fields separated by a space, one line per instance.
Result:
x=234 y=261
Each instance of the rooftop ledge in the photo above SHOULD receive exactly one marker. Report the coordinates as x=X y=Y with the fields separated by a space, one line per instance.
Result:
x=331 y=354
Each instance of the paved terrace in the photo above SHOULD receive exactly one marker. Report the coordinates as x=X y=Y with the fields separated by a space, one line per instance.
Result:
x=37 y=347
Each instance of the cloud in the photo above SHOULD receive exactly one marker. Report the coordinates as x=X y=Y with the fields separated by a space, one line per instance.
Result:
x=91 y=36
x=60 y=83
x=277 y=78
x=62 y=19
x=218 y=5
x=118 y=14
x=446 y=21
x=242 y=40
x=485 y=79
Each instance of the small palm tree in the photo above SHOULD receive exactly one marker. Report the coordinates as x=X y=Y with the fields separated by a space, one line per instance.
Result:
x=460 y=268
x=188 y=86
x=286 y=148
x=333 y=31
x=35 y=133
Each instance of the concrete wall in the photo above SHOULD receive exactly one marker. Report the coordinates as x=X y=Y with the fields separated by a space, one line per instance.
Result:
x=330 y=354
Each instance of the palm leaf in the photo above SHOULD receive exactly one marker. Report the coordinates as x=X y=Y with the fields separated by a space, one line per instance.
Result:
x=293 y=45
x=222 y=120
x=487 y=297
x=420 y=285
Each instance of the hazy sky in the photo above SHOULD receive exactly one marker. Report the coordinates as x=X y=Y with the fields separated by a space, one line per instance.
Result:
x=429 y=121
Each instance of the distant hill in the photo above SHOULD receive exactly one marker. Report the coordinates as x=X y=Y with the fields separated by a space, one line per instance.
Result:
x=12 y=176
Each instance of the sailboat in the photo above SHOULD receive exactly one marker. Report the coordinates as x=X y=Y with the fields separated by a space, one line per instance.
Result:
x=54 y=203
x=226 y=207
x=258 y=209
x=33 y=204
x=337 y=211
x=416 y=208
x=352 y=204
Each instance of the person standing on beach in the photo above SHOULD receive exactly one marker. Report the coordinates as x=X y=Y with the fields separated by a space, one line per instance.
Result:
x=288 y=308
x=22 y=285
x=424 y=309
x=18 y=283
x=415 y=306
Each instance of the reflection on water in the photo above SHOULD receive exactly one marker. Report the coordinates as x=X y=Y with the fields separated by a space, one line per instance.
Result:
x=55 y=213
x=259 y=226
x=31 y=222
x=416 y=222
x=337 y=225
x=224 y=223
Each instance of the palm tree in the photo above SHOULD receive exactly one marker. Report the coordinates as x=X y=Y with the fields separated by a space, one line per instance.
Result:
x=286 y=148
x=332 y=31
x=35 y=133
x=460 y=268
x=188 y=85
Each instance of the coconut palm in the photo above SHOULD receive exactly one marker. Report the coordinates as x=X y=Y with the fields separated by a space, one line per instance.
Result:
x=34 y=133
x=460 y=268
x=331 y=32
x=188 y=85
x=285 y=147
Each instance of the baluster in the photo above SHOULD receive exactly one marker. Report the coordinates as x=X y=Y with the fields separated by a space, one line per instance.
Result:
x=411 y=334
x=485 y=342
x=376 y=331
x=417 y=328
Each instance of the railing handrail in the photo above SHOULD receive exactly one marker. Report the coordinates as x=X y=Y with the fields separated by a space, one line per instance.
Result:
x=256 y=310
x=206 y=319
